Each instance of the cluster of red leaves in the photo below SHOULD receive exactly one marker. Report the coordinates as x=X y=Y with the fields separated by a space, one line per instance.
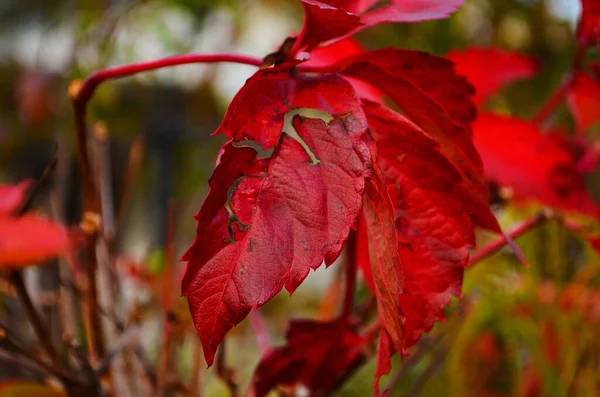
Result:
x=332 y=157
x=26 y=240
x=546 y=166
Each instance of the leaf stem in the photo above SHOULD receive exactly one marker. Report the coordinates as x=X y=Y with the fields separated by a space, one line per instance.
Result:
x=495 y=245
x=35 y=319
x=561 y=91
x=553 y=102
x=351 y=270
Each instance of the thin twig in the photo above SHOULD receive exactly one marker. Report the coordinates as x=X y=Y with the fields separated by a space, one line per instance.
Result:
x=196 y=380
x=425 y=346
x=134 y=160
x=436 y=362
x=495 y=245
x=92 y=377
x=41 y=330
x=10 y=341
x=40 y=184
x=226 y=374
x=123 y=341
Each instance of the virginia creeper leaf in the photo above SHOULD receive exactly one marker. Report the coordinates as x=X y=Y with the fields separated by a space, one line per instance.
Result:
x=433 y=224
x=267 y=222
x=539 y=167
x=411 y=11
x=584 y=100
x=501 y=67
x=323 y=22
x=11 y=196
x=29 y=240
x=317 y=355
x=328 y=20
x=430 y=93
x=588 y=30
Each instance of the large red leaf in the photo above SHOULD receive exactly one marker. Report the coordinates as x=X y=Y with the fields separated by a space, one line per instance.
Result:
x=434 y=227
x=588 y=30
x=430 y=93
x=501 y=67
x=267 y=222
x=316 y=355
x=29 y=240
x=584 y=100
x=328 y=20
x=11 y=196
x=535 y=166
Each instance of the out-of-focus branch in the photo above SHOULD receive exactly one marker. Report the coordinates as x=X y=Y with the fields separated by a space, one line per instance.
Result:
x=495 y=245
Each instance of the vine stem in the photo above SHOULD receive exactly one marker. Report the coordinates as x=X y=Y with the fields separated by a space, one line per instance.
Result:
x=495 y=245
x=561 y=91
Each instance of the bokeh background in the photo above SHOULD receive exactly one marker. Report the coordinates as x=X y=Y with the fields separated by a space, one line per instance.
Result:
x=519 y=332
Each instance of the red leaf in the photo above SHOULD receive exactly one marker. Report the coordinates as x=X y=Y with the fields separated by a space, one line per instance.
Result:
x=429 y=92
x=588 y=30
x=501 y=68
x=258 y=109
x=584 y=100
x=11 y=196
x=331 y=54
x=535 y=166
x=323 y=22
x=327 y=20
x=385 y=268
x=30 y=239
x=267 y=222
x=434 y=227
x=353 y=6
x=317 y=355
x=411 y=11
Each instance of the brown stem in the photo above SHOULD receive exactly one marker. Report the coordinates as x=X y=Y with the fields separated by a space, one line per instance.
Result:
x=123 y=341
x=40 y=184
x=35 y=319
x=91 y=314
x=495 y=245
x=226 y=374
x=196 y=380
x=436 y=361
x=425 y=346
